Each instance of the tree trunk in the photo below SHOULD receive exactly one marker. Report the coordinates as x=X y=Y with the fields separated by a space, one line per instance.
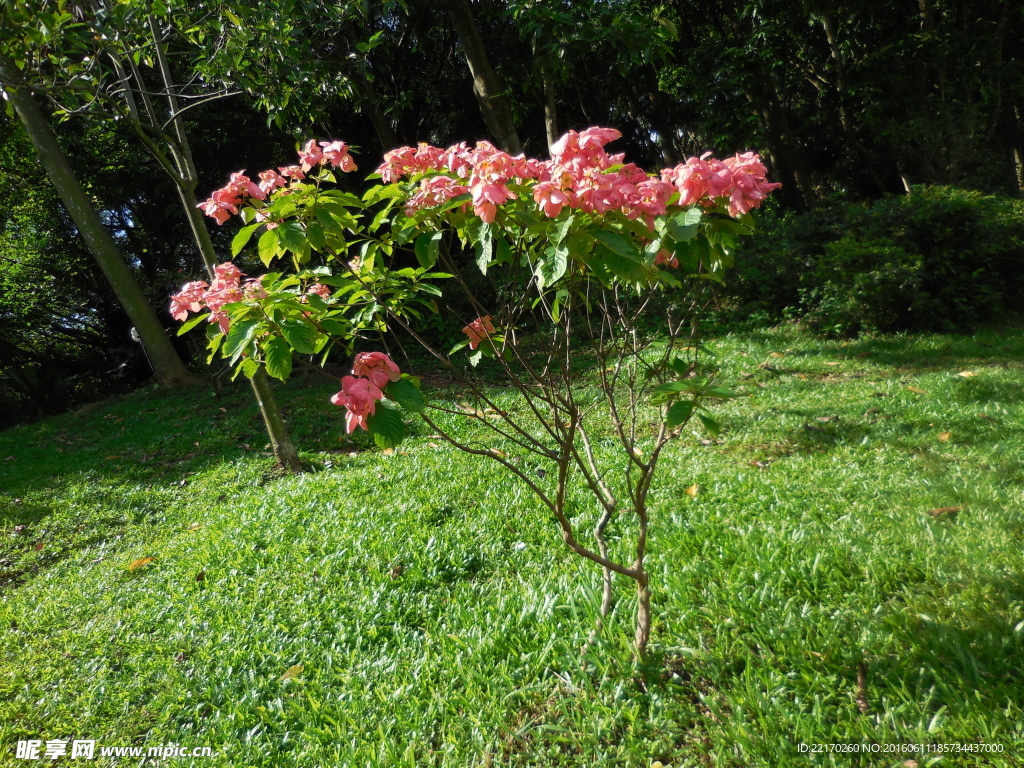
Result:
x=550 y=106
x=284 y=450
x=660 y=121
x=490 y=91
x=368 y=100
x=1018 y=149
x=784 y=152
x=643 y=613
x=167 y=365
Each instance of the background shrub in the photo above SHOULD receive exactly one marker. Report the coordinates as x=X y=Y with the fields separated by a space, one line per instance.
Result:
x=937 y=259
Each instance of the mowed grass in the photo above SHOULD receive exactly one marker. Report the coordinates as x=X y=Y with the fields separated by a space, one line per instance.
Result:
x=417 y=608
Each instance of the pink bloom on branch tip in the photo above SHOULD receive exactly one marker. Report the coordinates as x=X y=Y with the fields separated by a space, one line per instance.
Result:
x=377 y=367
x=292 y=172
x=310 y=155
x=336 y=153
x=550 y=197
x=191 y=298
x=321 y=290
x=479 y=330
x=359 y=397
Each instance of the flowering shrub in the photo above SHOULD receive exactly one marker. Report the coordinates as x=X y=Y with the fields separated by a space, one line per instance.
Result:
x=579 y=249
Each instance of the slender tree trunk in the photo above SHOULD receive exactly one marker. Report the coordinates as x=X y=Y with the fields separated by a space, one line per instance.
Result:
x=167 y=365
x=490 y=91
x=660 y=121
x=550 y=105
x=369 y=100
x=185 y=180
x=784 y=152
x=1018 y=149
x=643 y=614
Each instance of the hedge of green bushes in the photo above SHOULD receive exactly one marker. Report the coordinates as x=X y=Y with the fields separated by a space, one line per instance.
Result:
x=937 y=259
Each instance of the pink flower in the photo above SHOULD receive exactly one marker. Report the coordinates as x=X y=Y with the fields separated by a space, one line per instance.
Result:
x=336 y=152
x=550 y=197
x=253 y=289
x=224 y=201
x=310 y=155
x=293 y=172
x=321 y=290
x=359 y=397
x=377 y=367
x=664 y=257
x=487 y=195
x=227 y=271
x=479 y=330
x=271 y=180
x=191 y=298
x=433 y=191
x=215 y=210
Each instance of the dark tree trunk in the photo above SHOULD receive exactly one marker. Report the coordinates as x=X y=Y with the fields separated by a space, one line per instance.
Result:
x=167 y=365
x=490 y=91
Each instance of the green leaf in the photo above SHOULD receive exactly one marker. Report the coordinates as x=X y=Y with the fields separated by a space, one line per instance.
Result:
x=426 y=249
x=278 y=357
x=485 y=248
x=710 y=424
x=335 y=327
x=502 y=252
x=192 y=323
x=683 y=225
x=239 y=335
x=406 y=394
x=551 y=268
x=678 y=413
x=291 y=236
x=248 y=367
x=268 y=247
x=301 y=335
x=315 y=235
x=557 y=230
x=386 y=426
x=239 y=241
x=617 y=243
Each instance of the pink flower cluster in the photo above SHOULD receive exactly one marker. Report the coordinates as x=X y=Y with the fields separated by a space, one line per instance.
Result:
x=479 y=330
x=225 y=201
x=580 y=175
x=227 y=286
x=741 y=179
x=359 y=393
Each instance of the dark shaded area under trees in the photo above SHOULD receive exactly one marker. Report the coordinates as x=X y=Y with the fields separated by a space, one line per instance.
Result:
x=849 y=101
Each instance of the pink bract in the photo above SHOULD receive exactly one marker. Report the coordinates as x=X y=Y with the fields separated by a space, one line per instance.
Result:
x=359 y=397
x=479 y=330
x=377 y=367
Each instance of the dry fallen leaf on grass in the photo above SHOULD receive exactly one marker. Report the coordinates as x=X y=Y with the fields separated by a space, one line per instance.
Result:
x=944 y=436
x=691 y=491
x=945 y=511
x=292 y=671
x=916 y=390
x=967 y=374
x=134 y=565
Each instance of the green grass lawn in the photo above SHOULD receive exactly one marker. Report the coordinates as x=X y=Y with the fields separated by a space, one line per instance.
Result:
x=416 y=607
